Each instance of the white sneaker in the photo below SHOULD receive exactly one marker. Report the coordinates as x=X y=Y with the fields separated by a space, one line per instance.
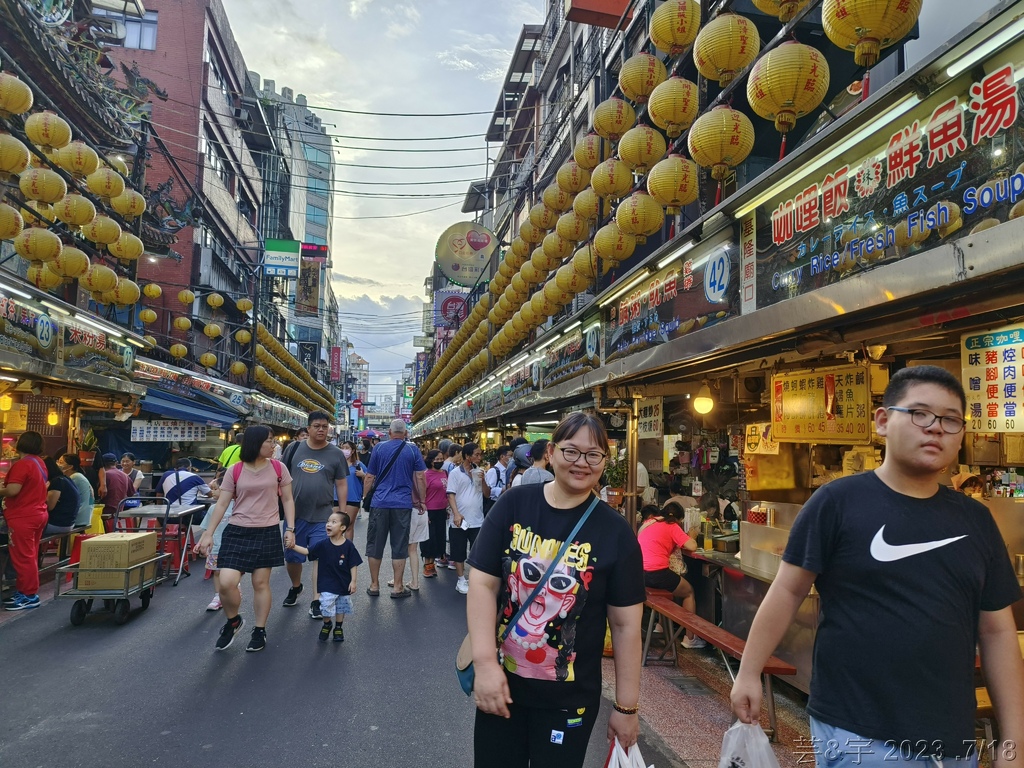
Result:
x=214 y=604
x=462 y=585
x=695 y=642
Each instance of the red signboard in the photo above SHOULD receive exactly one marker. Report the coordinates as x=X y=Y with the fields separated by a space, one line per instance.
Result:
x=357 y=403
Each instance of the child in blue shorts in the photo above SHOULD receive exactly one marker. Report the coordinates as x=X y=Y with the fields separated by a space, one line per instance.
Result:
x=336 y=577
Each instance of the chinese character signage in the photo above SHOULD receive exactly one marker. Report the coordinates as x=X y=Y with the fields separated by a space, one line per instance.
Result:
x=463 y=252
x=490 y=399
x=935 y=174
x=281 y=258
x=573 y=355
x=681 y=298
x=307 y=288
x=421 y=368
x=335 y=364
x=991 y=372
x=167 y=431
x=651 y=420
x=450 y=308
x=520 y=382
x=830 y=405
x=748 y=263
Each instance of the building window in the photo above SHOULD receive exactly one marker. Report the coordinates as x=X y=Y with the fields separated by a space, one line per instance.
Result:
x=316 y=240
x=216 y=160
x=316 y=215
x=317 y=156
x=139 y=33
x=318 y=186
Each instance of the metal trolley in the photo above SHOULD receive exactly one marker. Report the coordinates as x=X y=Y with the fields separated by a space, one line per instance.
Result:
x=114 y=600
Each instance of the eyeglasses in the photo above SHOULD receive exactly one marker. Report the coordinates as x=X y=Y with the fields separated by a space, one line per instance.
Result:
x=951 y=425
x=572 y=455
x=319 y=426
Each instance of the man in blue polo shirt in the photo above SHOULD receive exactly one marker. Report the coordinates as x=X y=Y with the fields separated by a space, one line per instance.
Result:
x=402 y=485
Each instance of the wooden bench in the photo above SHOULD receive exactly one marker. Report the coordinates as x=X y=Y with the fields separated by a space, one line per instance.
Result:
x=664 y=608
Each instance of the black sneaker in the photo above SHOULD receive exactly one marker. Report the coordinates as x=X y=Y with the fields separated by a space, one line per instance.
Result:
x=293 y=597
x=258 y=641
x=314 y=610
x=325 y=632
x=339 y=635
x=227 y=634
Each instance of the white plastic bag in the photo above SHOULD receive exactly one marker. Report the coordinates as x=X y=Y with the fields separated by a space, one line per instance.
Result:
x=746 y=746
x=619 y=758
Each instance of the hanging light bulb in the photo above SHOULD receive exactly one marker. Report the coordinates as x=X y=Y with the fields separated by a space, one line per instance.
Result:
x=703 y=403
x=52 y=417
x=6 y=402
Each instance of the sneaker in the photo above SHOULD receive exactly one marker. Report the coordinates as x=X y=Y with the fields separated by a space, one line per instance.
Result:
x=227 y=634
x=258 y=641
x=441 y=562
x=314 y=610
x=339 y=634
x=451 y=565
x=22 y=603
x=325 y=632
x=214 y=604
x=462 y=585
x=13 y=599
x=293 y=597
x=429 y=571
x=694 y=642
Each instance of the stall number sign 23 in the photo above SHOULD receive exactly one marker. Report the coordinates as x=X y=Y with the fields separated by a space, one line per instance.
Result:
x=716 y=276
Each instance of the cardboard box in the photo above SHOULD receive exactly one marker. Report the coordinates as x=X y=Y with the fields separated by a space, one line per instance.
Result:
x=116 y=550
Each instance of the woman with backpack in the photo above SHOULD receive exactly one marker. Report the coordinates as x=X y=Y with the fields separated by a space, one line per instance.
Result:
x=252 y=540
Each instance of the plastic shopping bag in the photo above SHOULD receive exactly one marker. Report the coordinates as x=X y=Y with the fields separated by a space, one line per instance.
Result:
x=620 y=758
x=746 y=746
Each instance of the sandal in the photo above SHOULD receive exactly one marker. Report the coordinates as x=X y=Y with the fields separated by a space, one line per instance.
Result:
x=373 y=592
x=400 y=595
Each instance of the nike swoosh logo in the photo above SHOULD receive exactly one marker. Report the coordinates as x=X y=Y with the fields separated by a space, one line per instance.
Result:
x=887 y=553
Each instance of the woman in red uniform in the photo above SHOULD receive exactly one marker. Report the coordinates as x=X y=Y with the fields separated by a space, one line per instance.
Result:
x=24 y=494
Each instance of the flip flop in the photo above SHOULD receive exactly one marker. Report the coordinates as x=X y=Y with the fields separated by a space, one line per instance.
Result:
x=373 y=592
x=400 y=595
x=414 y=589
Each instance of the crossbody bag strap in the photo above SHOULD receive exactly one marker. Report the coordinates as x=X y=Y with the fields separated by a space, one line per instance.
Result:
x=387 y=468
x=551 y=569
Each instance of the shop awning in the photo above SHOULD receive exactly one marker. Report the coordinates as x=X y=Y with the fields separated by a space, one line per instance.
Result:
x=174 y=407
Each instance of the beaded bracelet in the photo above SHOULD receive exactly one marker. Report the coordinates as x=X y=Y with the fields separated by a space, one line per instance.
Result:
x=626 y=710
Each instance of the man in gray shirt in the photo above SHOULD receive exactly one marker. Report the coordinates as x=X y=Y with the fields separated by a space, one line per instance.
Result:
x=318 y=469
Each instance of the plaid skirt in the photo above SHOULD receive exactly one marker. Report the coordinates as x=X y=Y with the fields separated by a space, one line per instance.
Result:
x=246 y=549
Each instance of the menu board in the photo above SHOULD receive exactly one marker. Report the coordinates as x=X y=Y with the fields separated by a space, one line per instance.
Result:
x=166 y=430
x=991 y=369
x=520 y=382
x=651 y=419
x=829 y=405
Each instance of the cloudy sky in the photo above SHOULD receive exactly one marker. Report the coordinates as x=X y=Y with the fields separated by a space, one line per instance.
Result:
x=383 y=56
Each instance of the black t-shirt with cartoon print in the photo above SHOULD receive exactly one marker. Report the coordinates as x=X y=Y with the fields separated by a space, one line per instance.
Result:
x=902 y=582
x=553 y=656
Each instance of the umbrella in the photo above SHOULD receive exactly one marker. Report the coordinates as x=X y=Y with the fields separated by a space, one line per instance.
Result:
x=367 y=433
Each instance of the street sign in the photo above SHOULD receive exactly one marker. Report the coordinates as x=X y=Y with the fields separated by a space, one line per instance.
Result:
x=357 y=403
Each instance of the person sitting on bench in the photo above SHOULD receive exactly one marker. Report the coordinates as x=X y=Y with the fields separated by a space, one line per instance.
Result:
x=61 y=501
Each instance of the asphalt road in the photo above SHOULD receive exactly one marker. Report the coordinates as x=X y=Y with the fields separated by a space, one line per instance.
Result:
x=154 y=692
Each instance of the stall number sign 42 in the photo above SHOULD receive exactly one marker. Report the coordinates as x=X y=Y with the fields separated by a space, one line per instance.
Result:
x=716 y=276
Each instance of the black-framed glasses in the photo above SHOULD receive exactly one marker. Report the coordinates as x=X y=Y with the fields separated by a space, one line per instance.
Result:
x=919 y=417
x=319 y=426
x=572 y=455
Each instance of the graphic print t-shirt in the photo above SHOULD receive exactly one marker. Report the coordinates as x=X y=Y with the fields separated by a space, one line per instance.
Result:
x=902 y=581
x=553 y=655
x=314 y=473
x=336 y=564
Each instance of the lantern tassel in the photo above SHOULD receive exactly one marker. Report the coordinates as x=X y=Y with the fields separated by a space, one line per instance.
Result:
x=672 y=228
x=866 y=86
x=782 y=149
x=718 y=194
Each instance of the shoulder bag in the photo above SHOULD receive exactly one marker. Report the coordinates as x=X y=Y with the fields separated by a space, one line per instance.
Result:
x=464 y=659
x=368 y=498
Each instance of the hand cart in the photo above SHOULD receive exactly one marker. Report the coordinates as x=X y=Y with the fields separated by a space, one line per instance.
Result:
x=135 y=518
x=136 y=582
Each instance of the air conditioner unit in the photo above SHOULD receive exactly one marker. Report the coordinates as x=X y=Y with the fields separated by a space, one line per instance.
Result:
x=242 y=115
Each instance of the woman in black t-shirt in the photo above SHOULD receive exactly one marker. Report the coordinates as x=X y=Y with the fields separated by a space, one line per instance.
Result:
x=61 y=500
x=539 y=695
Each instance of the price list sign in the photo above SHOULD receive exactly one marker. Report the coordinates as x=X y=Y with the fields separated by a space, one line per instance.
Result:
x=167 y=430
x=651 y=420
x=830 y=405
x=992 y=374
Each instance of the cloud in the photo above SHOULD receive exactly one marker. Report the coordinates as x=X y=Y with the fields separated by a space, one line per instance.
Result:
x=354 y=280
x=357 y=8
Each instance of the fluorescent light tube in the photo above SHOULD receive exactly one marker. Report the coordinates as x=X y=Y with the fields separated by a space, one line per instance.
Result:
x=675 y=255
x=990 y=46
x=625 y=289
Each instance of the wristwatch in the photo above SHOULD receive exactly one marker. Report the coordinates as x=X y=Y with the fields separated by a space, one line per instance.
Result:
x=289 y=530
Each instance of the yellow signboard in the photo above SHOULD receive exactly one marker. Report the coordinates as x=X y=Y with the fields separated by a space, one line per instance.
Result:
x=829 y=405
x=463 y=252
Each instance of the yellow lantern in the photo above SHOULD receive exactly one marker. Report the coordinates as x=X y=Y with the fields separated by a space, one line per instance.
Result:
x=106 y=183
x=208 y=359
x=532 y=275
x=186 y=297
x=537 y=304
x=118 y=164
x=152 y=291
x=13 y=155
x=555 y=294
x=47 y=130
x=36 y=244
x=589 y=151
x=720 y=139
x=15 y=96
x=556 y=246
x=612 y=245
x=519 y=284
x=130 y=204
x=674 y=25
x=127 y=247
x=612 y=178
x=150 y=341
x=98 y=278
x=569 y=280
x=182 y=324
x=11 y=222
x=543 y=217
x=238 y=368
x=75 y=210
x=674 y=106
x=520 y=247
x=867 y=27
x=506 y=270
x=673 y=183
x=557 y=199
x=243 y=305
x=612 y=118
x=640 y=215
x=178 y=350
x=147 y=316
x=572 y=177
x=37 y=214
x=543 y=262
x=102 y=230
x=640 y=75
x=71 y=263
x=787 y=83
x=215 y=300
x=42 y=184
x=531 y=233
x=784 y=9
x=78 y=159
x=641 y=147
x=529 y=316
x=587 y=206
x=727 y=44
x=585 y=262
x=519 y=324
x=126 y=292
x=212 y=330
x=573 y=227
x=41 y=276
x=514 y=260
